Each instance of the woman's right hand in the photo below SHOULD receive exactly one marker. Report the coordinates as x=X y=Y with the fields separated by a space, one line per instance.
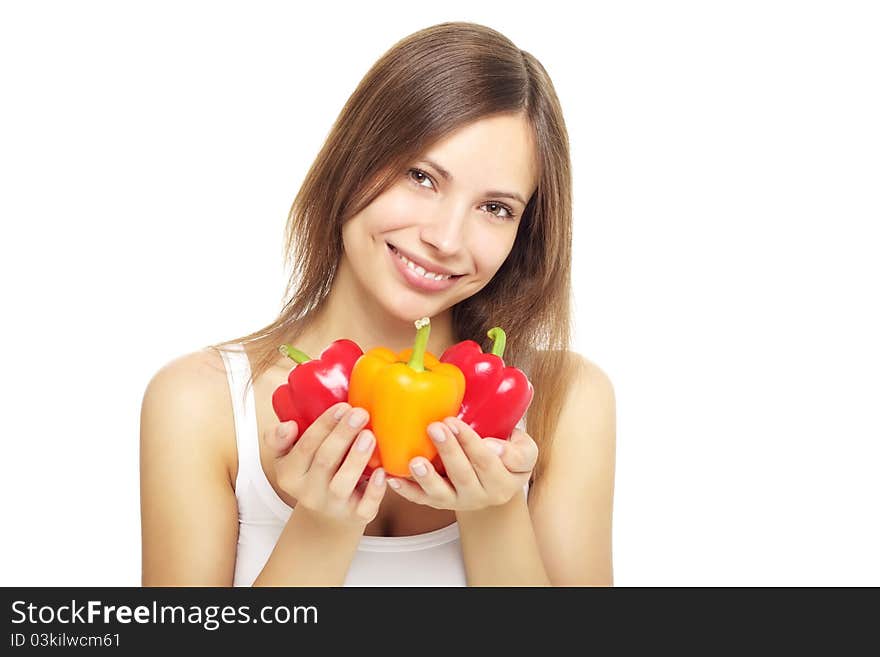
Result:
x=321 y=469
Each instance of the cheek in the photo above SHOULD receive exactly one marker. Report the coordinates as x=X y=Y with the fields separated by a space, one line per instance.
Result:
x=357 y=239
x=490 y=253
x=394 y=209
x=370 y=223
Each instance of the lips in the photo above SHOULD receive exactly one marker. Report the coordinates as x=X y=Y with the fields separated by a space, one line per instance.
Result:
x=416 y=281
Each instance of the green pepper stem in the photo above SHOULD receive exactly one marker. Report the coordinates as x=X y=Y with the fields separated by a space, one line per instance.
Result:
x=294 y=354
x=497 y=334
x=417 y=360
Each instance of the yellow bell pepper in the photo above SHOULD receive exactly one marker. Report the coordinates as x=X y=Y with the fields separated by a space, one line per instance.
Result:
x=404 y=393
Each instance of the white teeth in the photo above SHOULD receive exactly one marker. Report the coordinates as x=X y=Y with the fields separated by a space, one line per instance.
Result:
x=421 y=270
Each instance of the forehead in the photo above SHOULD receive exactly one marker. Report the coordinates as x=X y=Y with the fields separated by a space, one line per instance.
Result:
x=496 y=152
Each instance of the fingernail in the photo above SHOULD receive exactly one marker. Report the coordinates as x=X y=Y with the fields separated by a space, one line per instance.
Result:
x=419 y=469
x=339 y=413
x=394 y=483
x=452 y=427
x=436 y=433
x=284 y=429
x=496 y=446
x=380 y=477
x=357 y=418
x=364 y=442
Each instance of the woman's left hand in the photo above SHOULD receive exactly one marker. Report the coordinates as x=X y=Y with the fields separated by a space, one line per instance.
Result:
x=478 y=475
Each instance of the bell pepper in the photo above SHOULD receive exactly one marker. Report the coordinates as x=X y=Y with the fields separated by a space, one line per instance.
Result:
x=313 y=386
x=496 y=397
x=404 y=393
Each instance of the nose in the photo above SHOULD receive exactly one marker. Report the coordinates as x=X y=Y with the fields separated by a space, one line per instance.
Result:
x=445 y=231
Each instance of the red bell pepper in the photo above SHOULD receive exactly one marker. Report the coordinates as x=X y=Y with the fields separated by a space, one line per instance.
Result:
x=313 y=386
x=495 y=397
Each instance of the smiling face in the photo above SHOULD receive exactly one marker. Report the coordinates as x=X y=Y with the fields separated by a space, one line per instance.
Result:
x=454 y=210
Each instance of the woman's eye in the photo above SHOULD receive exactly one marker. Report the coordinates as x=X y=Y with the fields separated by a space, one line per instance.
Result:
x=419 y=177
x=499 y=207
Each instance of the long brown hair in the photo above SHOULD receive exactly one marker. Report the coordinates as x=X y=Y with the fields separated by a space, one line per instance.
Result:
x=425 y=87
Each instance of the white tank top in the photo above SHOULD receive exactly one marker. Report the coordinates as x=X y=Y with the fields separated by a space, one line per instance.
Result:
x=430 y=559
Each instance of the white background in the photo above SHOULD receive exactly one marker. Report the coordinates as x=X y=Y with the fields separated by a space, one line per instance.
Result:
x=726 y=170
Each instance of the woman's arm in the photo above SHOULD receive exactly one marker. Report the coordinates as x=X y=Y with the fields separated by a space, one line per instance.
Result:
x=189 y=514
x=499 y=546
x=310 y=552
x=571 y=503
x=563 y=536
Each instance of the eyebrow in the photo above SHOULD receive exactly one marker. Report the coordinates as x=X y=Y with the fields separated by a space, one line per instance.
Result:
x=492 y=192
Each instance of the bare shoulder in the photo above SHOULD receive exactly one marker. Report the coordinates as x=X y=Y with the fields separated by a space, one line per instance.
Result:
x=204 y=363
x=585 y=370
x=191 y=391
x=589 y=384
x=590 y=379
x=585 y=430
x=586 y=422
x=587 y=419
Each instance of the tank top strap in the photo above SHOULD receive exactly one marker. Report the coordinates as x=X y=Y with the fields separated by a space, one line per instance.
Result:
x=251 y=477
x=238 y=370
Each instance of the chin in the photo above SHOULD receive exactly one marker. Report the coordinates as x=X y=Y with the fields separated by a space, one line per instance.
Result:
x=408 y=306
x=410 y=310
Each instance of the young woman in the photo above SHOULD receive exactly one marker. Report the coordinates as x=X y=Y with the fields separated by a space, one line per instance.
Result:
x=444 y=191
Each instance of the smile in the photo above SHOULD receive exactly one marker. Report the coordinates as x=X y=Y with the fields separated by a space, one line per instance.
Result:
x=417 y=276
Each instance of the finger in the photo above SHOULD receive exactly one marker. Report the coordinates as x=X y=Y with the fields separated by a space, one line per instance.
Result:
x=346 y=478
x=520 y=452
x=408 y=490
x=279 y=440
x=373 y=493
x=440 y=493
x=303 y=452
x=485 y=460
x=333 y=450
x=456 y=463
